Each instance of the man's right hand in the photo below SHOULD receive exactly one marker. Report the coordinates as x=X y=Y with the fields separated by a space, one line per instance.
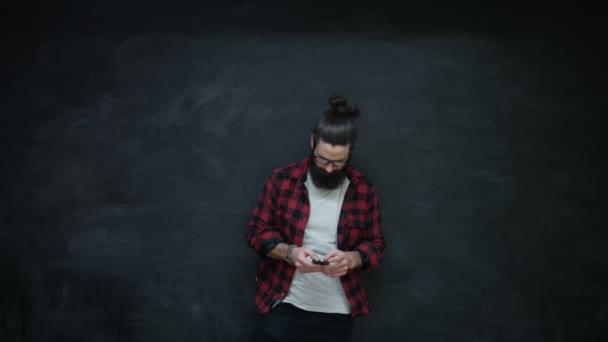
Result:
x=300 y=255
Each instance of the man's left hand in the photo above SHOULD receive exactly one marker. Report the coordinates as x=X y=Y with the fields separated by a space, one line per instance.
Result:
x=340 y=262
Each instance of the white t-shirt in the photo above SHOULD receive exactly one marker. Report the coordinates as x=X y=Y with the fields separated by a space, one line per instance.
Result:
x=315 y=291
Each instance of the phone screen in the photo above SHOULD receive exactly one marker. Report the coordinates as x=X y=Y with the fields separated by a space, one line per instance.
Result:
x=320 y=262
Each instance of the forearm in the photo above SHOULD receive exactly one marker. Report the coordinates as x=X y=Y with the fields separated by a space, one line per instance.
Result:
x=372 y=244
x=371 y=253
x=354 y=259
x=261 y=235
x=279 y=252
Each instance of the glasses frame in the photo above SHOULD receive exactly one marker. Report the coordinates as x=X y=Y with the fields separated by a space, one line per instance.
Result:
x=324 y=161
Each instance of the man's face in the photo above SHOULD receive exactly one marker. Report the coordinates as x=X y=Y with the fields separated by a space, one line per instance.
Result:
x=328 y=165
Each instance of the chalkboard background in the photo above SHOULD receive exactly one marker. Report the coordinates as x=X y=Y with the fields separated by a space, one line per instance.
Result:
x=136 y=136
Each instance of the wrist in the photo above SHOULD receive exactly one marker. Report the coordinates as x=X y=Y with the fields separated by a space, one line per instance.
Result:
x=288 y=254
x=354 y=259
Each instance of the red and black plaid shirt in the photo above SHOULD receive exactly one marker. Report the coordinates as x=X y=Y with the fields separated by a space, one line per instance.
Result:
x=281 y=215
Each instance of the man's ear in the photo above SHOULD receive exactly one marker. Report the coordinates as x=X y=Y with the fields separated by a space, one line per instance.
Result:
x=312 y=140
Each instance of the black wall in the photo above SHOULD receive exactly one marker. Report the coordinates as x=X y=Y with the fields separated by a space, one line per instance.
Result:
x=136 y=136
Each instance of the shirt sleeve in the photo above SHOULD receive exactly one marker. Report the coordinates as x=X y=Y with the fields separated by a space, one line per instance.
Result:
x=261 y=236
x=372 y=246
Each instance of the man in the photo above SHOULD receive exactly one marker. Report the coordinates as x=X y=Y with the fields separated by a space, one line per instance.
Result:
x=315 y=226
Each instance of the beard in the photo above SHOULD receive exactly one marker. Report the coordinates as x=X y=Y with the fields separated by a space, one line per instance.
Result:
x=322 y=179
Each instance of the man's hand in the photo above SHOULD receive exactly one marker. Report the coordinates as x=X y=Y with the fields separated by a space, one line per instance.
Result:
x=300 y=256
x=340 y=262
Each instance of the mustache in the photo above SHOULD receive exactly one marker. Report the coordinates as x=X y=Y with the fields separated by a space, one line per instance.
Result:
x=326 y=180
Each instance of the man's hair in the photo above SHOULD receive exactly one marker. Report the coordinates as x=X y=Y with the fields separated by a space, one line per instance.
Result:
x=337 y=125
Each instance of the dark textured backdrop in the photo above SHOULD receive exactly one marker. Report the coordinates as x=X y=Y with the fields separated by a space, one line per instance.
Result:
x=136 y=136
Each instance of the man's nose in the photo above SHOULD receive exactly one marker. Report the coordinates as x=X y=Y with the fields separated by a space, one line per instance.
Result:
x=329 y=168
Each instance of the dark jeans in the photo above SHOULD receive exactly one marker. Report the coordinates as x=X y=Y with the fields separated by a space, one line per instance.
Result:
x=290 y=324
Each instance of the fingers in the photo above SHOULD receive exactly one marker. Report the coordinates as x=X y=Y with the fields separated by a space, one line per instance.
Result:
x=303 y=253
x=332 y=255
x=338 y=264
x=335 y=256
x=335 y=270
x=301 y=260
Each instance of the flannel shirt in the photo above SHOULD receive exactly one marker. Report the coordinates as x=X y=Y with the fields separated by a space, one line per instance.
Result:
x=281 y=215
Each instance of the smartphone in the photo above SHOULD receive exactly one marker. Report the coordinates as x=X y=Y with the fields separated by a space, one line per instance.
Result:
x=320 y=262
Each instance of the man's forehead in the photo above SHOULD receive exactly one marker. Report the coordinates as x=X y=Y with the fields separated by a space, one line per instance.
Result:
x=333 y=151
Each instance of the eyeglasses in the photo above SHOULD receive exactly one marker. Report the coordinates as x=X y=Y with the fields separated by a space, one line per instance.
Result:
x=324 y=161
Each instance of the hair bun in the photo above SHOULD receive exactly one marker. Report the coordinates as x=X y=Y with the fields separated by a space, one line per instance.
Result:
x=336 y=102
x=339 y=105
